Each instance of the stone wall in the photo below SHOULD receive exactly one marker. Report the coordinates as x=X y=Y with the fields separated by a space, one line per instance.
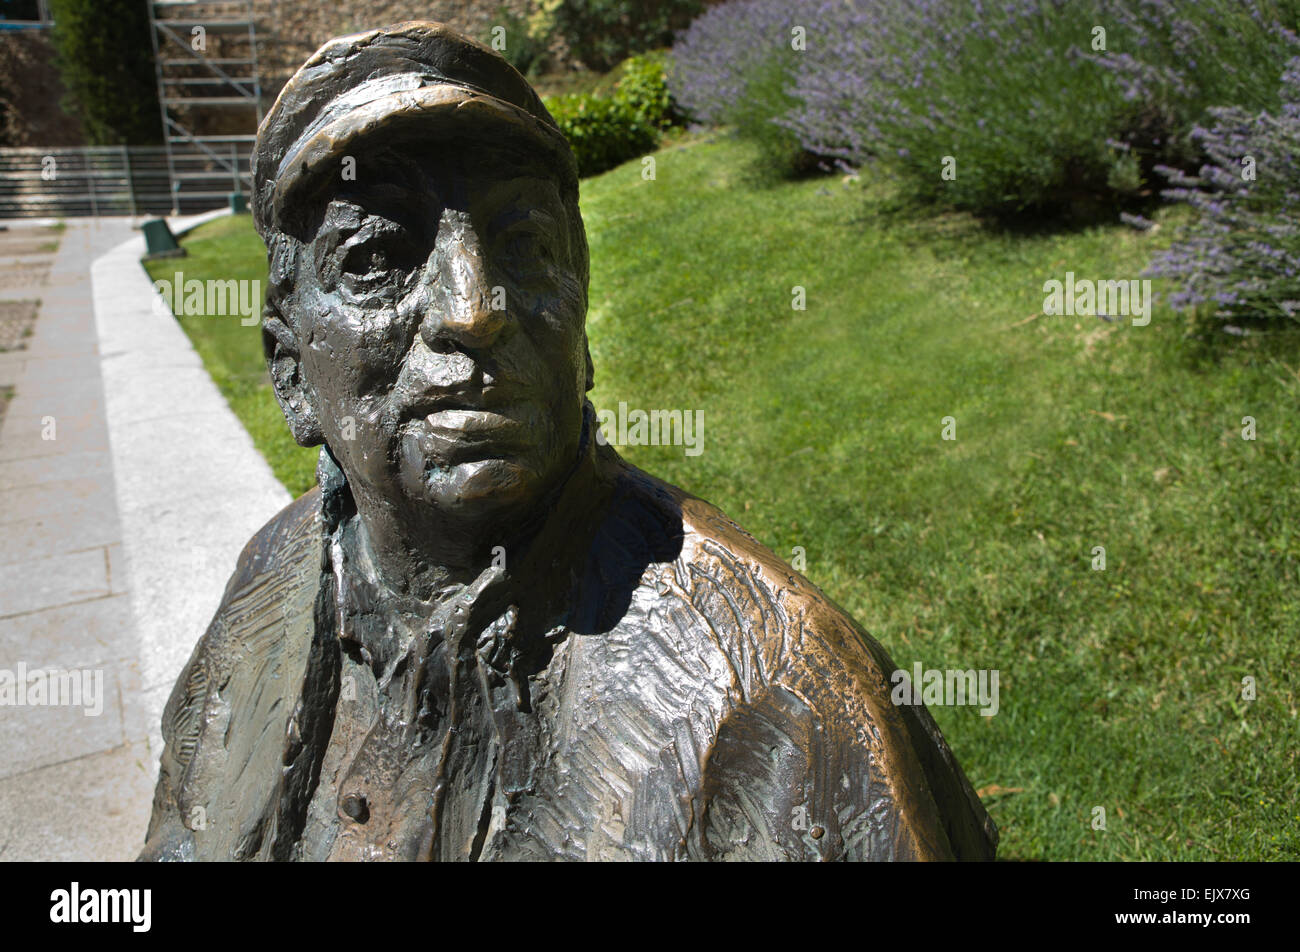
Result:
x=291 y=30
x=31 y=93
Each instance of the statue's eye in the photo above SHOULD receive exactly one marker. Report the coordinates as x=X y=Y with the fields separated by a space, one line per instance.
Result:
x=527 y=246
x=383 y=259
x=367 y=259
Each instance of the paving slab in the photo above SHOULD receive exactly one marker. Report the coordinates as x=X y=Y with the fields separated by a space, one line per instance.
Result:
x=31 y=429
x=120 y=534
x=19 y=502
x=88 y=633
x=94 y=808
x=61 y=608
x=32 y=471
x=42 y=734
x=33 y=584
x=55 y=531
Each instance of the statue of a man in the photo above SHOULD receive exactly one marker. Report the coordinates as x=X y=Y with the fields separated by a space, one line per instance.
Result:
x=485 y=636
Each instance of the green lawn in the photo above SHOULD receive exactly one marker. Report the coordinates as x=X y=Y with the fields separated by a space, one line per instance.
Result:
x=1120 y=688
x=228 y=248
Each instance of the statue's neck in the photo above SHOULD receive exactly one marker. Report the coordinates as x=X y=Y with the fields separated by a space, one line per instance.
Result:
x=443 y=553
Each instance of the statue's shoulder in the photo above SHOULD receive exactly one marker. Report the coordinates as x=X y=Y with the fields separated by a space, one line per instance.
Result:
x=743 y=587
x=226 y=720
x=806 y=677
x=781 y=632
x=270 y=592
x=279 y=548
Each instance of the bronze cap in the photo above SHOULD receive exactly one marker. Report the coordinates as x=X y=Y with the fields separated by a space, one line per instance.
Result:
x=416 y=79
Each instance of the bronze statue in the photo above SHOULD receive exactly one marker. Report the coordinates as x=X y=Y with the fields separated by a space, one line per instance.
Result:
x=485 y=636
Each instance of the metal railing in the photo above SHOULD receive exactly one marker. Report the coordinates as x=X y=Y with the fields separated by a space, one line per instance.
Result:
x=117 y=180
x=24 y=14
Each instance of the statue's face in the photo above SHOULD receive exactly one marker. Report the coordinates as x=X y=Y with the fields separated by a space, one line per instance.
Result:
x=440 y=313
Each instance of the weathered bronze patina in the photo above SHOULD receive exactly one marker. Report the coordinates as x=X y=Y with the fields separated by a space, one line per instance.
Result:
x=485 y=636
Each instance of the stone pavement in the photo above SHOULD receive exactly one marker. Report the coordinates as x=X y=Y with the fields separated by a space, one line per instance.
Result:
x=119 y=525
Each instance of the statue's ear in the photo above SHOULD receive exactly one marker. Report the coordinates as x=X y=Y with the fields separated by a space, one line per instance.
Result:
x=280 y=345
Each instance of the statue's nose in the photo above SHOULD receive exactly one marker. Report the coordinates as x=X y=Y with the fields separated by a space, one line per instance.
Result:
x=458 y=306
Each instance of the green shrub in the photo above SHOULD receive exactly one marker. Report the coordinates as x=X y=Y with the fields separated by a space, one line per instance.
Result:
x=1069 y=122
x=603 y=132
x=105 y=59
x=643 y=87
x=603 y=32
x=1238 y=262
x=526 y=45
x=734 y=67
x=781 y=155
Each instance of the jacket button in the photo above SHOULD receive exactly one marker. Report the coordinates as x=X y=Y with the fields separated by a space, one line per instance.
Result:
x=355 y=806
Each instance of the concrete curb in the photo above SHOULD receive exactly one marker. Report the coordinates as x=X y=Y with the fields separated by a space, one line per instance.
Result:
x=191 y=488
x=183 y=224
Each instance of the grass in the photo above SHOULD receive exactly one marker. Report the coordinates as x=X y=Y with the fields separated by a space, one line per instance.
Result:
x=1121 y=688
x=228 y=248
x=572 y=81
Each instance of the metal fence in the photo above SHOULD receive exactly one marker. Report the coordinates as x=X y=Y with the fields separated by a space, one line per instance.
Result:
x=117 y=180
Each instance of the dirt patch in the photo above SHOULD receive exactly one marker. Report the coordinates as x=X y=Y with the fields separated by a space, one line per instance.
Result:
x=1094 y=336
x=17 y=318
x=26 y=255
x=19 y=242
x=23 y=274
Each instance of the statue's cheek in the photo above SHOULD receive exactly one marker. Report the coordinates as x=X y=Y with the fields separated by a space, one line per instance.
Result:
x=380 y=338
x=364 y=348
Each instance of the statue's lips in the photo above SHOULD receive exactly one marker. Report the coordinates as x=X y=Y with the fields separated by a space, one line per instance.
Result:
x=455 y=432
x=473 y=423
x=496 y=398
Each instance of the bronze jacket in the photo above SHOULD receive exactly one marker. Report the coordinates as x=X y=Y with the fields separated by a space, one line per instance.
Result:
x=679 y=693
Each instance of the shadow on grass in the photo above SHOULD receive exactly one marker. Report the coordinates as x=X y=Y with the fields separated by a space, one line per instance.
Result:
x=1208 y=344
x=894 y=202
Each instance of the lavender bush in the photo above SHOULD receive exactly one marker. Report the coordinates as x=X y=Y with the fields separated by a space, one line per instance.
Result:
x=715 y=59
x=1001 y=94
x=1189 y=55
x=1035 y=117
x=734 y=67
x=1240 y=260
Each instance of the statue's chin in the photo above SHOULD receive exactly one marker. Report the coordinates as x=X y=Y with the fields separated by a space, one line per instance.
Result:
x=475 y=489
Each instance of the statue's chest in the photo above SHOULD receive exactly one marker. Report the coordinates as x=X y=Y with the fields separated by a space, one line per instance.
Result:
x=421 y=763
x=596 y=756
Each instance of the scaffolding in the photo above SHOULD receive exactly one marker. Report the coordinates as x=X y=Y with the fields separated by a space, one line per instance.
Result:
x=25 y=14
x=210 y=97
